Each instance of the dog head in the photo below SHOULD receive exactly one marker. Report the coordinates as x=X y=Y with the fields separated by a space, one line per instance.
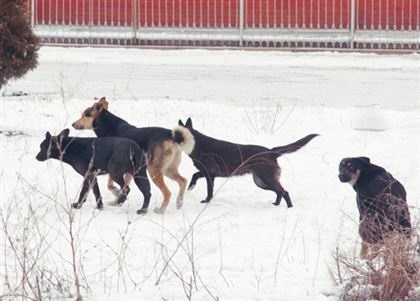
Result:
x=90 y=115
x=51 y=146
x=188 y=123
x=351 y=168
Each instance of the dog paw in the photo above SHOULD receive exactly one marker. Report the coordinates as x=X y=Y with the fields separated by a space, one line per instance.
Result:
x=205 y=201
x=179 y=204
x=119 y=204
x=159 y=210
x=276 y=203
x=113 y=203
x=100 y=206
x=115 y=191
x=142 y=211
x=76 y=205
x=191 y=187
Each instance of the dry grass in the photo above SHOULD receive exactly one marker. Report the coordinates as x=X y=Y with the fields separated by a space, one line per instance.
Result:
x=393 y=275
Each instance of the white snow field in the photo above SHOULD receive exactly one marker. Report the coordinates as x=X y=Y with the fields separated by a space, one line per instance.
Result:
x=239 y=246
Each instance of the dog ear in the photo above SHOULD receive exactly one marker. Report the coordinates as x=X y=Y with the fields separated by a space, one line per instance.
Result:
x=102 y=104
x=180 y=123
x=64 y=133
x=188 y=124
x=47 y=135
x=365 y=160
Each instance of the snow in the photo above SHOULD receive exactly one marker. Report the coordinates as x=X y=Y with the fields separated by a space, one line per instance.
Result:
x=244 y=248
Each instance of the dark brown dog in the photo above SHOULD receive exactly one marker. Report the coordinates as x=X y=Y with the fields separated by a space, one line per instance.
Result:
x=218 y=158
x=381 y=200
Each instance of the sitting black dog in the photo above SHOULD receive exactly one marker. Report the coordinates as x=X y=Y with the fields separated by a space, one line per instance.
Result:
x=381 y=201
x=120 y=157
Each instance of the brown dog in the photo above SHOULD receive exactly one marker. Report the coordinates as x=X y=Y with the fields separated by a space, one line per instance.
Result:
x=162 y=146
x=217 y=158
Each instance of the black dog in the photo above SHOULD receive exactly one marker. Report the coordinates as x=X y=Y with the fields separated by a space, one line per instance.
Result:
x=381 y=201
x=218 y=158
x=162 y=146
x=119 y=157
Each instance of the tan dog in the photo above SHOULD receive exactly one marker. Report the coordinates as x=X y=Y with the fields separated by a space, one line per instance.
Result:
x=162 y=146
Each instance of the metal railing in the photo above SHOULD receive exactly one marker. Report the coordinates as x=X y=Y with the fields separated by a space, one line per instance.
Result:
x=380 y=24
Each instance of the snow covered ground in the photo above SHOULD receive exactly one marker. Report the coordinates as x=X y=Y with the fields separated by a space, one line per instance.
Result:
x=242 y=247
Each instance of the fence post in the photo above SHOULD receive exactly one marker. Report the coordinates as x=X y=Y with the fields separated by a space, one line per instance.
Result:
x=32 y=14
x=135 y=23
x=241 y=22
x=90 y=13
x=352 y=22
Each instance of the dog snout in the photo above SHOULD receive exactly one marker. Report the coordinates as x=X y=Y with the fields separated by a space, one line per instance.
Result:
x=344 y=177
x=39 y=157
x=83 y=123
x=77 y=125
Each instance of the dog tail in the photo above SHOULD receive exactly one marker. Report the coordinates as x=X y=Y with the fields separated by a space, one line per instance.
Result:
x=292 y=147
x=183 y=137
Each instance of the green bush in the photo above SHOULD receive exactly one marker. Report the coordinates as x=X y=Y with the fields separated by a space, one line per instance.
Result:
x=18 y=44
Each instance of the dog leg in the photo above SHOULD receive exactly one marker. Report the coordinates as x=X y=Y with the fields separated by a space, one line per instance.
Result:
x=143 y=184
x=287 y=198
x=124 y=182
x=98 y=197
x=122 y=197
x=157 y=178
x=269 y=181
x=115 y=191
x=125 y=189
x=364 y=251
x=283 y=194
x=210 y=188
x=194 y=179
x=173 y=174
x=87 y=184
